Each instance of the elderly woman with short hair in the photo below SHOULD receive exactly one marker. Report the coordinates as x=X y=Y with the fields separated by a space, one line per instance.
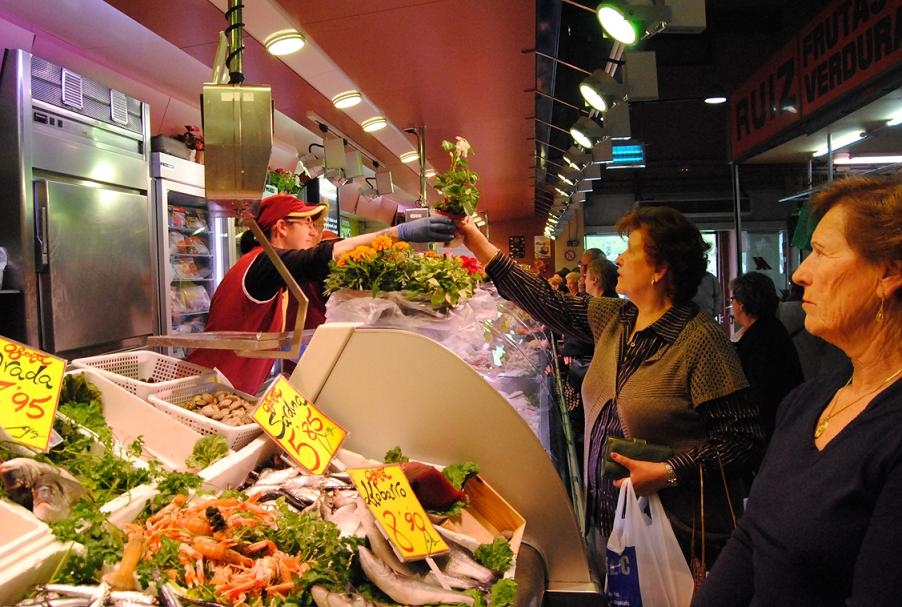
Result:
x=824 y=519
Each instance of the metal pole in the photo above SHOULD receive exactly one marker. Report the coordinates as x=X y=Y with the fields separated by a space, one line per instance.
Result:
x=235 y=35
x=737 y=216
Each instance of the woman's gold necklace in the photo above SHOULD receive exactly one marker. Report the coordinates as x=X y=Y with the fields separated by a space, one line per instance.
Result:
x=822 y=425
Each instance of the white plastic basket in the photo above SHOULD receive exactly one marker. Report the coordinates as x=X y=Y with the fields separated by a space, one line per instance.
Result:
x=170 y=399
x=143 y=372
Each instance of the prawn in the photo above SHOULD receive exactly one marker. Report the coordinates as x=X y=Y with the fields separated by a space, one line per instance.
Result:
x=123 y=578
x=220 y=551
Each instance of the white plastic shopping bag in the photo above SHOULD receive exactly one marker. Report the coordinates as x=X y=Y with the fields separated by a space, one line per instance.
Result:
x=645 y=565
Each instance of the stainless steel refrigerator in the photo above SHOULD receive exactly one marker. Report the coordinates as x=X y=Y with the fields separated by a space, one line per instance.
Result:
x=75 y=212
x=196 y=245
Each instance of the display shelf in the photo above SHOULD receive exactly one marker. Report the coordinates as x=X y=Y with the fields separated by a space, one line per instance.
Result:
x=189 y=231
x=192 y=280
x=439 y=409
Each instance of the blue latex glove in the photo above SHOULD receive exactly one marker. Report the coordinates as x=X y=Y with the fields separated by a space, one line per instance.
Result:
x=427 y=229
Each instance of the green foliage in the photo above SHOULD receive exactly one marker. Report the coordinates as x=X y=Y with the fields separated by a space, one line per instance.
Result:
x=285 y=181
x=504 y=592
x=387 y=266
x=457 y=185
x=497 y=556
x=458 y=474
x=208 y=449
x=395 y=456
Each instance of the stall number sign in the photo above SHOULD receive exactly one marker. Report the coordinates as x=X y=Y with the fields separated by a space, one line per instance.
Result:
x=391 y=500
x=302 y=430
x=30 y=382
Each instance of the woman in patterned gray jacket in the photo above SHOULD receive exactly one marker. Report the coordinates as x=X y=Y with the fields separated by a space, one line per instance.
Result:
x=660 y=372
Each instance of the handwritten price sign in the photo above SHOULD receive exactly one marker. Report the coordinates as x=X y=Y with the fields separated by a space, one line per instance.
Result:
x=397 y=510
x=30 y=383
x=304 y=432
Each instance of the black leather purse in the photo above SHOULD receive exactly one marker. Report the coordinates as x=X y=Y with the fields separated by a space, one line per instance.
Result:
x=633 y=448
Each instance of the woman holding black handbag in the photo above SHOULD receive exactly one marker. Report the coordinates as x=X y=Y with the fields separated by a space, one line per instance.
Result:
x=661 y=371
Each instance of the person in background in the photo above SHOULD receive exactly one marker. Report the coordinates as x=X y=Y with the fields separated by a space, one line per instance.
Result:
x=601 y=278
x=251 y=294
x=661 y=371
x=709 y=296
x=817 y=356
x=588 y=256
x=557 y=282
x=573 y=283
x=769 y=359
x=823 y=525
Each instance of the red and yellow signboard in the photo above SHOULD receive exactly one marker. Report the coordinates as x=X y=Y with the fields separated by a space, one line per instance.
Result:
x=390 y=498
x=845 y=46
x=309 y=436
x=30 y=382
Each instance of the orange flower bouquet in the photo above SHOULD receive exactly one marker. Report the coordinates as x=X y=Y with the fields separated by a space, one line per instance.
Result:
x=387 y=265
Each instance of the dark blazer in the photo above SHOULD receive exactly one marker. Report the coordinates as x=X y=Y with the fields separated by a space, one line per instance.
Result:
x=771 y=364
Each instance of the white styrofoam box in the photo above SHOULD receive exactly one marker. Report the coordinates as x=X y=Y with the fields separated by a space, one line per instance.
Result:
x=20 y=531
x=169 y=400
x=231 y=471
x=165 y=439
x=21 y=571
x=142 y=372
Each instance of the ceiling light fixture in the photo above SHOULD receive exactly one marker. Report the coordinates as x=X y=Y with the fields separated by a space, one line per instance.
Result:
x=846 y=158
x=715 y=99
x=601 y=91
x=285 y=42
x=626 y=23
x=347 y=99
x=430 y=173
x=834 y=142
x=586 y=132
x=408 y=157
x=370 y=125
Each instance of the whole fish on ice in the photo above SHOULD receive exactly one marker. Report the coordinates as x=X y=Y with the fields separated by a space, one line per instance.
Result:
x=406 y=590
x=49 y=492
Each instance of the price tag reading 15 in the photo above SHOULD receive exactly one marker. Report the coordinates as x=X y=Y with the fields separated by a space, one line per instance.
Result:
x=398 y=511
x=30 y=382
x=304 y=432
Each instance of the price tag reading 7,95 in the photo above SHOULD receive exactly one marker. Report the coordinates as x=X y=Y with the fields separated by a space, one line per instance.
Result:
x=395 y=507
x=30 y=383
x=306 y=434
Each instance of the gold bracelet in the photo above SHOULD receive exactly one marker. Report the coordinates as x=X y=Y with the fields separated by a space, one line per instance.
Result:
x=671 y=475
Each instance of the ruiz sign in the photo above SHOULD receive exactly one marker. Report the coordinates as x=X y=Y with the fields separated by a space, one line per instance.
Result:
x=849 y=43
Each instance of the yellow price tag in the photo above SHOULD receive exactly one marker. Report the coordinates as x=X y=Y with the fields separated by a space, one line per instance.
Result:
x=30 y=383
x=397 y=510
x=303 y=431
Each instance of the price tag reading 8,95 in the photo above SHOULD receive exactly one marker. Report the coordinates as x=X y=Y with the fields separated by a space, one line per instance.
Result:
x=306 y=434
x=397 y=510
x=30 y=383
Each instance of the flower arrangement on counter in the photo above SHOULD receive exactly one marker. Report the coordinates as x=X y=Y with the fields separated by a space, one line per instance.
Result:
x=388 y=265
x=286 y=182
x=457 y=186
x=193 y=138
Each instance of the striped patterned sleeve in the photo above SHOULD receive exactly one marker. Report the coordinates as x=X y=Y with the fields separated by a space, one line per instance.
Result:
x=561 y=312
x=735 y=435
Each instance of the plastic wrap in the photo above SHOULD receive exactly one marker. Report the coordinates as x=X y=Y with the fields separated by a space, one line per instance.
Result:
x=491 y=335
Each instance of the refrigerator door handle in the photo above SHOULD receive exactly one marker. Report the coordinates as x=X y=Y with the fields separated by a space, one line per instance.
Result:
x=41 y=255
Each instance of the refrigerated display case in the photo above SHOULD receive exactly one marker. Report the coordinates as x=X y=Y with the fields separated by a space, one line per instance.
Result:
x=196 y=246
x=76 y=219
x=439 y=409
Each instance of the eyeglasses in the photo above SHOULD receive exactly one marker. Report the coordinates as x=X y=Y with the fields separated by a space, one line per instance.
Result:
x=302 y=220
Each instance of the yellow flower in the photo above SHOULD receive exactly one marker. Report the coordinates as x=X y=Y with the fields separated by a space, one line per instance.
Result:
x=401 y=245
x=382 y=243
